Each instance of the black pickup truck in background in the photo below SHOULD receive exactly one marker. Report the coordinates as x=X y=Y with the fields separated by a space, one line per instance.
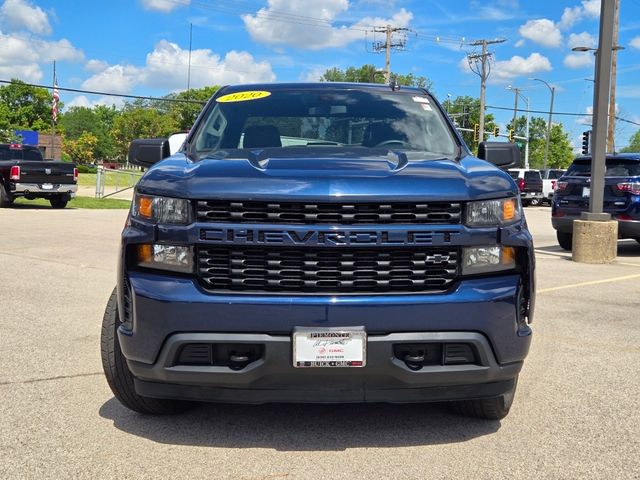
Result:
x=24 y=173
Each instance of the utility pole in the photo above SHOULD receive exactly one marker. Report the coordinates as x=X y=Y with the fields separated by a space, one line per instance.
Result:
x=388 y=45
x=611 y=144
x=515 y=107
x=478 y=63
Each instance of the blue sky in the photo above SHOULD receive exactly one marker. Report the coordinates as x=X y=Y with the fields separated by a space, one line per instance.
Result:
x=141 y=47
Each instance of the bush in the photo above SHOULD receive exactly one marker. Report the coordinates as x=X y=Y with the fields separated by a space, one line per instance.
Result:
x=86 y=169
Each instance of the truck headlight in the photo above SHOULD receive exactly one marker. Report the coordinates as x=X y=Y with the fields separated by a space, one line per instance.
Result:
x=162 y=209
x=176 y=258
x=487 y=213
x=488 y=259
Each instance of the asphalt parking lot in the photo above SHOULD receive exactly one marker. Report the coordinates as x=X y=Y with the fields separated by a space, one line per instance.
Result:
x=576 y=412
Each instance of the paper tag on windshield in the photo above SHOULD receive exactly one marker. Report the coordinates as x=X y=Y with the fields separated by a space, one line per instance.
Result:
x=420 y=99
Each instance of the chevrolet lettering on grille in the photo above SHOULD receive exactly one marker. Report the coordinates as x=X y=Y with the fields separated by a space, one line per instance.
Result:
x=245 y=236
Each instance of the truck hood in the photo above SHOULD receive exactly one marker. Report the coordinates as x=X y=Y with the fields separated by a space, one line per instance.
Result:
x=379 y=174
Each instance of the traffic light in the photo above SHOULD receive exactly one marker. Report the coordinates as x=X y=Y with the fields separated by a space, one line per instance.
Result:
x=496 y=131
x=511 y=134
x=476 y=132
x=586 y=137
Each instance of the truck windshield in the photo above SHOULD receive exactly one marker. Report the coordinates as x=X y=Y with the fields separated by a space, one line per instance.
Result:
x=615 y=168
x=339 y=118
x=19 y=153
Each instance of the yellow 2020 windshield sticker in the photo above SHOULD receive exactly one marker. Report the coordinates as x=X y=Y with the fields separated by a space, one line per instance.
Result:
x=243 y=96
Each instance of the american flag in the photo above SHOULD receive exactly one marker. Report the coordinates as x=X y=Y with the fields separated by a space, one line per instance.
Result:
x=56 y=99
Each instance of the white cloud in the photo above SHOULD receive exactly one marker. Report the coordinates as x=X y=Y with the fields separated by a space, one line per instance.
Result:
x=587 y=119
x=167 y=67
x=517 y=66
x=264 y=27
x=22 y=15
x=591 y=8
x=96 y=66
x=542 y=31
x=572 y=15
x=519 y=43
x=635 y=43
x=578 y=60
x=583 y=39
x=83 y=101
x=60 y=50
x=164 y=6
x=313 y=75
x=114 y=79
x=30 y=73
x=20 y=55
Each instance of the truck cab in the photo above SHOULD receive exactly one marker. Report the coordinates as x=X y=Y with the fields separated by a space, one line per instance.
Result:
x=321 y=242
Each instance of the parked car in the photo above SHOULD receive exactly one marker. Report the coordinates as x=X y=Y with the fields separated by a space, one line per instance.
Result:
x=621 y=196
x=549 y=178
x=371 y=258
x=24 y=173
x=530 y=184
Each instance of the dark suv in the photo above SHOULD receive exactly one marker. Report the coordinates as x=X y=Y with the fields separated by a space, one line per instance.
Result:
x=621 y=196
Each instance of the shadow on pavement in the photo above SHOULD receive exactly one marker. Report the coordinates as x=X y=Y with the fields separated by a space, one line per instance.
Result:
x=302 y=427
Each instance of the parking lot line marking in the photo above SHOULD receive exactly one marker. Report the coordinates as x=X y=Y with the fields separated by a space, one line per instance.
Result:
x=593 y=282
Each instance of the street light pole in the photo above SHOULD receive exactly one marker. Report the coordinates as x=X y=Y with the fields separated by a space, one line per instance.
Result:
x=546 y=147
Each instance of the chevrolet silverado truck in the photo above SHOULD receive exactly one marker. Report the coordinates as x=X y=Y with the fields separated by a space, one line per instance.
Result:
x=321 y=243
x=24 y=173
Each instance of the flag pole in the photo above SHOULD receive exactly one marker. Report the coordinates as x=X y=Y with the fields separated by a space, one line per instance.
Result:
x=53 y=119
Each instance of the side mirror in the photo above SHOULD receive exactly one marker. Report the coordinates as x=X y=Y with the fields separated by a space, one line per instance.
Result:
x=501 y=154
x=146 y=152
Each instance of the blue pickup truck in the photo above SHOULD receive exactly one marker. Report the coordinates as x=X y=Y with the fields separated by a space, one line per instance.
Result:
x=321 y=243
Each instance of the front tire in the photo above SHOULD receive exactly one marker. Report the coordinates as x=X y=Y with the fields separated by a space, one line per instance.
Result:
x=119 y=377
x=58 y=202
x=565 y=240
x=494 y=408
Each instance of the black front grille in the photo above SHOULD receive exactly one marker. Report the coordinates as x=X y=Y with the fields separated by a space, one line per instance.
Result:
x=324 y=270
x=329 y=213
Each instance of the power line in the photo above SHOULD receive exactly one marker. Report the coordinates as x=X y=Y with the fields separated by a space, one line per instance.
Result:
x=105 y=94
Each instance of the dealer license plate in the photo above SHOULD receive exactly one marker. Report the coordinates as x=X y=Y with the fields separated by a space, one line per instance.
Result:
x=329 y=347
x=586 y=191
x=47 y=186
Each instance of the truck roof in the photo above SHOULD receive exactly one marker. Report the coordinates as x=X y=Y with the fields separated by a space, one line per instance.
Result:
x=318 y=86
x=620 y=156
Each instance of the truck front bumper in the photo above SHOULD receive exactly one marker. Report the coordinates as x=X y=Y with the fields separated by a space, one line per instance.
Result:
x=171 y=312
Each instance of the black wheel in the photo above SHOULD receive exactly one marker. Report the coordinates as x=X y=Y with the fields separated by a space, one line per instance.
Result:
x=565 y=240
x=58 y=202
x=535 y=202
x=494 y=408
x=5 y=198
x=526 y=203
x=119 y=377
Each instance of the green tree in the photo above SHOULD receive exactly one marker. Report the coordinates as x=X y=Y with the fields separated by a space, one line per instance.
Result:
x=98 y=121
x=138 y=121
x=560 y=149
x=81 y=150
x=25 y=107
x=634 y=143
x=465 y=112
x=370 y=74
x=185 y=113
